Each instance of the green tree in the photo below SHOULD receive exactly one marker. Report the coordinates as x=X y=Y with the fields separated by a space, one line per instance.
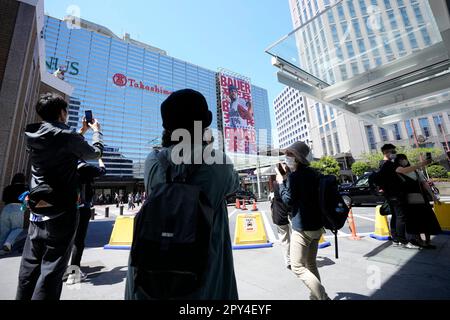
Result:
x=373 y=159
x=360 y=167
x=413 y=154
x=437 y=171
x=327 y=165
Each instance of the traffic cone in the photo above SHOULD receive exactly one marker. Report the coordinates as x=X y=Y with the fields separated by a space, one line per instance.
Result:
x=254 y=206
x=323 y=243
x=238 y=204
x=381 y=226
x=351 y=223
x=243 y=207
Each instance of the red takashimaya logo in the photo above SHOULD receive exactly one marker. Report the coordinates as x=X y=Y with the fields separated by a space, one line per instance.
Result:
x=122 y=80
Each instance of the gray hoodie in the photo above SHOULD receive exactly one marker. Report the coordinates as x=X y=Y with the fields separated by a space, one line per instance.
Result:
x=55 y=150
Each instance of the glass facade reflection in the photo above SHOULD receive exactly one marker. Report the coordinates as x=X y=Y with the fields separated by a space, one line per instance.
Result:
x=124 y=83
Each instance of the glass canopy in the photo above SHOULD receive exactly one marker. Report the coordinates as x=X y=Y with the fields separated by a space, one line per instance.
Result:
x=374 y=59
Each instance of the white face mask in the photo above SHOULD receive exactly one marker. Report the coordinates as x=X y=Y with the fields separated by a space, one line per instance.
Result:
x=290 y=162
x=392 y=156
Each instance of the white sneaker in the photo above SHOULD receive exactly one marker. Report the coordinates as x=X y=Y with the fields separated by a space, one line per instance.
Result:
x=409 y=245
x=76 y=276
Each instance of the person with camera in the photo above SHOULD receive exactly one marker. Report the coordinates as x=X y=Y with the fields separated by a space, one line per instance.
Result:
x=54 y=152
x=301 y=191
x=420 y=217
x=395 y=193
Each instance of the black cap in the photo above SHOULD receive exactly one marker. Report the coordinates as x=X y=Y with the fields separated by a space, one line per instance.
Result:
x=182 y=108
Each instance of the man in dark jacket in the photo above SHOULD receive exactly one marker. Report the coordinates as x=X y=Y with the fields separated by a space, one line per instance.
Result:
x=55 y=151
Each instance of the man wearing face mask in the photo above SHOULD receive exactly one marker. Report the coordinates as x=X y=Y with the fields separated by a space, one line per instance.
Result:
x=395 y=195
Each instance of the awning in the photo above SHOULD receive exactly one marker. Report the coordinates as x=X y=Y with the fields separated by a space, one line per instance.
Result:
x=393 y=77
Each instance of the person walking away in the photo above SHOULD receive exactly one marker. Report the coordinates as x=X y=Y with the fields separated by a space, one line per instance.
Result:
x=420 y=217
x=131 y=201
x=395 y=194
x=116 y=199
x=54 y=152
x=216 y=179
x=281 y=217
x=87 y=173
x=301 y=191
x=137 y=199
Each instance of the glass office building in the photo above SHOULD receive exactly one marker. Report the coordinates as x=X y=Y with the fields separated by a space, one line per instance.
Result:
x=124 y=82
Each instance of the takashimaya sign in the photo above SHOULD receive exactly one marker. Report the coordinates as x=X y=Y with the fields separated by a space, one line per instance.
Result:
x=122 y=80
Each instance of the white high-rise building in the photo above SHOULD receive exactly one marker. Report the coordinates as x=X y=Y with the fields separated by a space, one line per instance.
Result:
x=291 y=116
x=352 y=38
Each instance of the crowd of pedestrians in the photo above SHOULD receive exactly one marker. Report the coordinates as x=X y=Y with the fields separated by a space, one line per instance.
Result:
x=61 y=195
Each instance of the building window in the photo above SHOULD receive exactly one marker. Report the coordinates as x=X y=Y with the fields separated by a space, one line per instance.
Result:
x=351 y=8
x=325 y=115
x=350 y=50
x=336 y=140
x=397 y=133
x=363 y=7
x=355 y=69
x=426 y=37
x=341 y=13
x=371 y=138
x=438 y=121
x=383 y=134
x=319 y=118
x=330 y=16
x=387 y=4
x=357 y=28
x=425 y=126
x=330 y=144
x=324 y=146
x=405 y=17
x=409 y=129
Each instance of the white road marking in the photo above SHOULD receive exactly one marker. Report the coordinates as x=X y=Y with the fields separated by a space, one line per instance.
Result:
x=269 y=229
x=362 y=217
x=348 y=235
x=231 y=214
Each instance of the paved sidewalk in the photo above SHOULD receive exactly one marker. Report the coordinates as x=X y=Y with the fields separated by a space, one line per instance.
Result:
x=366 y=269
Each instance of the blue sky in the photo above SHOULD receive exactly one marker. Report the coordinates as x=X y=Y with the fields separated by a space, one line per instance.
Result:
x=232 y=34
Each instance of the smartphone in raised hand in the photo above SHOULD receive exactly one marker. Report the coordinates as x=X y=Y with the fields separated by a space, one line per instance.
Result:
x=88 y=116
x=281 y=169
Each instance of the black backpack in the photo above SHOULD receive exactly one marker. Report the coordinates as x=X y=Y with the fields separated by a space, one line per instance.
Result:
x=333 y=209
x=172 y=234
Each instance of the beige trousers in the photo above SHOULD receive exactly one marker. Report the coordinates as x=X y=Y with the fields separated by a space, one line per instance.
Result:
x=284 y=234
x=304 y=246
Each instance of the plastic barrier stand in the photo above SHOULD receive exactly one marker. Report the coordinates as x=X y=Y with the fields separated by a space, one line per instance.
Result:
x=442 y=212
x=250 y=232
x=122 y=234
x=381 y=226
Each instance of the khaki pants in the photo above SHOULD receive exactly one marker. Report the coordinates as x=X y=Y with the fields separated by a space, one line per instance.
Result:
x=284 y=233
x=304 y=246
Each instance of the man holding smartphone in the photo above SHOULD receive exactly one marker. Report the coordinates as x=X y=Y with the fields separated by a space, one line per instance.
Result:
x=55 y=150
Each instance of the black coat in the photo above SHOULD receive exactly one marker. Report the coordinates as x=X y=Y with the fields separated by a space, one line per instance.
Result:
x=301 y=191
x=420 y=218
x=280 y=210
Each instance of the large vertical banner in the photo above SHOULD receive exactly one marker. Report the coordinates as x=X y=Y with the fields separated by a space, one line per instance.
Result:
x=238 y=114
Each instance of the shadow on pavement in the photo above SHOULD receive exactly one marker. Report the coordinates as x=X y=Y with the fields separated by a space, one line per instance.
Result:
x=422 y=274
x=324 y=261
x=349 y=296
x=116 y=275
